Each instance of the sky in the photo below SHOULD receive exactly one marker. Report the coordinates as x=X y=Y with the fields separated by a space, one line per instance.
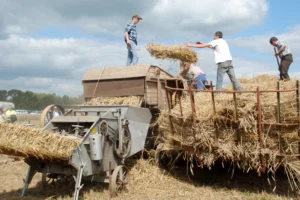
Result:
x=47 y=46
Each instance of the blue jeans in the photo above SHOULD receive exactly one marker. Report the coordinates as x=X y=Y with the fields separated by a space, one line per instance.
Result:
x=132 y=57
x=227 y=67
x=200 y=81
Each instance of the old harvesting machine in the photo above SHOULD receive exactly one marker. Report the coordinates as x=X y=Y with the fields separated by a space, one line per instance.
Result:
x=110 y=133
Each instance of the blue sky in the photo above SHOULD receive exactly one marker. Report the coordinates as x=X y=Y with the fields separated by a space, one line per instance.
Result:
x=47 y=46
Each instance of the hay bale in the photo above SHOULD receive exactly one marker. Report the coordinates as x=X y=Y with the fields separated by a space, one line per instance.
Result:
x=214 y=136
x=172 y=52
x=130 y=100
x=18 y=140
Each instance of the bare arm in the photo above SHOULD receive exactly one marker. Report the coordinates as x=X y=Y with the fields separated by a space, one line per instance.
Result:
x=185 y=70
x=198 y=45
x=127 y=37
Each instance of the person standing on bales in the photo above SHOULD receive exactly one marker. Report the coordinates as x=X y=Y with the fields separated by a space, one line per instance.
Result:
x=223 y=59
x=131 y=40
x=286 y=57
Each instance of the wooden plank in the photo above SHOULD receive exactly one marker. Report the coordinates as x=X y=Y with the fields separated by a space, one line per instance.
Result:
x=152 y=102
x=154 y=96
x=159 y=92
x=116 y=73
x=151 y=89
x=125 y=87
x=152 y=93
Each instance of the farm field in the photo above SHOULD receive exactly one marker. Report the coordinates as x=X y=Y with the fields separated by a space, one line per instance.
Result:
x=28 y=118
x=148 y=182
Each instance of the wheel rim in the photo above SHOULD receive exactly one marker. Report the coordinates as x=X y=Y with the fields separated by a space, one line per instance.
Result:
x=126 y=144
x=45 y=114
x=119 y=178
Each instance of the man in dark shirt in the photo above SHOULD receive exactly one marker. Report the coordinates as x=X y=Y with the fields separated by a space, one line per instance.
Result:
x=131 y=40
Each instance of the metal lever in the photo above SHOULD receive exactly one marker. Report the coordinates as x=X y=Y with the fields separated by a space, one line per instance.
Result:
x=77 y=128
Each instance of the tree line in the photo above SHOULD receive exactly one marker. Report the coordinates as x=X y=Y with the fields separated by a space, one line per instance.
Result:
x=36 y=101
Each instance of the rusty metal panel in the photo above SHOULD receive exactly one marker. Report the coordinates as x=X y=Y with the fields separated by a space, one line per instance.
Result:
x=125 y=87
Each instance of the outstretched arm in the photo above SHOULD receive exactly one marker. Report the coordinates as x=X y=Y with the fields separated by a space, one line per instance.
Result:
x=198 y=45
x=185 y=70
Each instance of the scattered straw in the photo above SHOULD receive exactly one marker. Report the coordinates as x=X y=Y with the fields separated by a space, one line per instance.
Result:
x=172 y=52
x=24 y=141
x=215 y=135
x=130 y=100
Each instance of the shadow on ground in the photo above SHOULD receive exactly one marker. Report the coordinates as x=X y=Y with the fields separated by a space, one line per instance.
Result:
x=221 y=176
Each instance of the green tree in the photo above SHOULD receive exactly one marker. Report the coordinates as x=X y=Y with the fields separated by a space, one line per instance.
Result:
x=3 y=95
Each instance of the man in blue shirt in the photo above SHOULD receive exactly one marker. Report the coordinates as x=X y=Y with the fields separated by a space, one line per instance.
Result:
x=131 y=40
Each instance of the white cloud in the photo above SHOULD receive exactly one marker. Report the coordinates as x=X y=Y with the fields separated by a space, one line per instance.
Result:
x=184 y=18
x=57 y=65
x=196 y=18
x=260 y=43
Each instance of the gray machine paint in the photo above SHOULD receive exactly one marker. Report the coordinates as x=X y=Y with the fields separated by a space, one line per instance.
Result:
x=133 y=122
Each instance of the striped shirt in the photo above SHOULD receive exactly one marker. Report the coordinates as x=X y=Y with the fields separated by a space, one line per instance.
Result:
x=286 y=51
x=131 y=30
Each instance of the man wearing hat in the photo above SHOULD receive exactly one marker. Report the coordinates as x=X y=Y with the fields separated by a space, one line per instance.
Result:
x=131 y=40
x=285 y=54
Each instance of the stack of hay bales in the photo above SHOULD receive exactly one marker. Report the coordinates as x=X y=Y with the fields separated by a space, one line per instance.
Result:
x=130 y=100
x=18 y=140
x=215 y=135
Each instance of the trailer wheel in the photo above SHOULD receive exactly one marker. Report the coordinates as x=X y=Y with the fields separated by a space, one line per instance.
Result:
x=119 y=179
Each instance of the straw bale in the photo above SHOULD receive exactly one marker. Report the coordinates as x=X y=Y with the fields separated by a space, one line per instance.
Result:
x=30 y=142
x=215 y=135
x=176 y=52
x=130 y=100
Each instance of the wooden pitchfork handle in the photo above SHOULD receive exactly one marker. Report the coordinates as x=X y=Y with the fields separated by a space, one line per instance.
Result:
x=276 y=56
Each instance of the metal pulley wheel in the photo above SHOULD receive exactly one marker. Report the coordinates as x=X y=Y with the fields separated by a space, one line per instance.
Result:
x=119 y=179
x=122 y=148
x=47 y=114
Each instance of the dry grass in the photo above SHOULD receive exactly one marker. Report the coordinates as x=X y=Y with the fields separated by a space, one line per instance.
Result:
x=147 y=182
x=29 y=119
x=24 y=141
x=215 y=135
x=130 y=100
x=175 y=52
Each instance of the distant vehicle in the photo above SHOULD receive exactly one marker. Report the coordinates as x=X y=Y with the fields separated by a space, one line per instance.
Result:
x=4 y=105
x=36 y=112
x=21 y=112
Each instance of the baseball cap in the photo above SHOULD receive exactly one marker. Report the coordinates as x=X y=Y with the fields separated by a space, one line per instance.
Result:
x=137 y=16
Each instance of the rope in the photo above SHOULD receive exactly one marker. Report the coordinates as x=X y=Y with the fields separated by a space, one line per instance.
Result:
x=98 y=81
